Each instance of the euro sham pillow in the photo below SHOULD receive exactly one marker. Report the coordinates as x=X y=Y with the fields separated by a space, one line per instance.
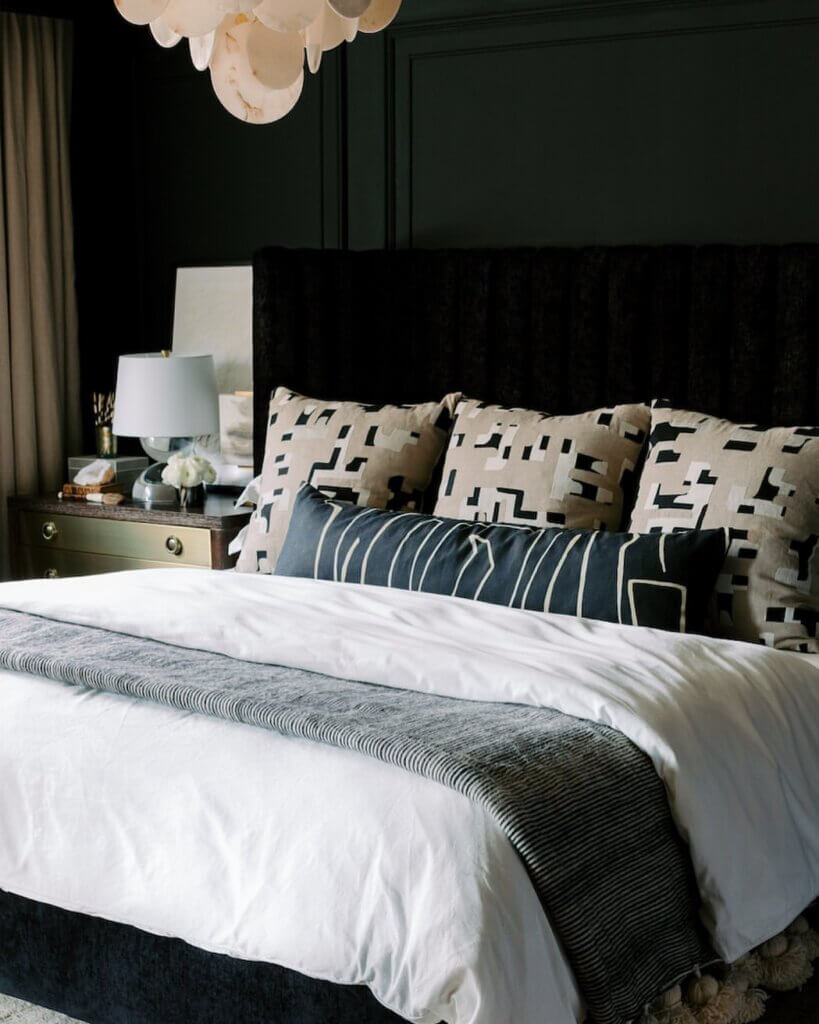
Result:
x=380 y=456
x=661 y=580
x=760 y=486
x=528 y=468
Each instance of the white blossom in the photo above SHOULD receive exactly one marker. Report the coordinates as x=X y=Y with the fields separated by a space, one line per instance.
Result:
x=188 y=470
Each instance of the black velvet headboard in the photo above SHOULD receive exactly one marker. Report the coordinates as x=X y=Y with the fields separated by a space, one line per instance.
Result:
x=722 y=329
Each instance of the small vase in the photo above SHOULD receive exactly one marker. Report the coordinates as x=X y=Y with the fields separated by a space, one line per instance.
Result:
x=192 y=497
x=106 y=442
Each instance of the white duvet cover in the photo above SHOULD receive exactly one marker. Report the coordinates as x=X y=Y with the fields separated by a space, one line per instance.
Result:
x=327 y=862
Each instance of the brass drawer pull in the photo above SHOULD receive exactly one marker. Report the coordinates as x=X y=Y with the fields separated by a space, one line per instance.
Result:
x=49 y=531
x=174 y=545
x=51 y=574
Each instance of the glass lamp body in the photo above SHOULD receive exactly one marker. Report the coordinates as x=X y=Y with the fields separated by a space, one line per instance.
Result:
x=149 y=487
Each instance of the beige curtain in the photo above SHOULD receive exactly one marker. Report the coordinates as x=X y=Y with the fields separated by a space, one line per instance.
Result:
x=39 y=361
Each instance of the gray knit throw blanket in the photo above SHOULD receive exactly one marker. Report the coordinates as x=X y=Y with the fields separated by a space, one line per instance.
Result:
x=582 y=806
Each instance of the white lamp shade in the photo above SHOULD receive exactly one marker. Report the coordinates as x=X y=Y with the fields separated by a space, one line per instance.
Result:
x=166 y=396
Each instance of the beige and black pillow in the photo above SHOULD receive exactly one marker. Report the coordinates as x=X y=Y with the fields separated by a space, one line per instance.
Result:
x=531 y=469
x=373 y=456
x=762 y=487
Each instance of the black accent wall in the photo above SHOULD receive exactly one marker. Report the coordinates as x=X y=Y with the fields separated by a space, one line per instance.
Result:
x=467 y=123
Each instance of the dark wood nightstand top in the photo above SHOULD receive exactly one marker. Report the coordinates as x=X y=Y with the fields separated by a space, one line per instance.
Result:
x=218 y=512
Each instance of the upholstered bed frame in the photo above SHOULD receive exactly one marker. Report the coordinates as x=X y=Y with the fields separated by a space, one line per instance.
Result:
x=726 y=330
x=733 y=331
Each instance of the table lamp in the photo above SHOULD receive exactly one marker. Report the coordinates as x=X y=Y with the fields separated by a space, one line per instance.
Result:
x=166 y=401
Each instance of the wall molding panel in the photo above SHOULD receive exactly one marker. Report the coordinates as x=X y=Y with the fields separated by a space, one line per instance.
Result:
x=424 y=55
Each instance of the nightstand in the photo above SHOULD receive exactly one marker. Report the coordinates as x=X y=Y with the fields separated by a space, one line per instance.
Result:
x=51 y=537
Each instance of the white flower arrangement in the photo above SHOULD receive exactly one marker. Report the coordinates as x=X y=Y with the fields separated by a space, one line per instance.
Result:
x=188 y=470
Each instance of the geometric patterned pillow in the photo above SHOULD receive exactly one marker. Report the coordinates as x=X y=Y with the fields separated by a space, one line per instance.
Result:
x=530 y=469
x=762 y=487
x=368 y=455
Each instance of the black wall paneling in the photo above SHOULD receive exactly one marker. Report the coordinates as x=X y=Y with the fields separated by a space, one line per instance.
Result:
x=587 y=123
x=467 y=123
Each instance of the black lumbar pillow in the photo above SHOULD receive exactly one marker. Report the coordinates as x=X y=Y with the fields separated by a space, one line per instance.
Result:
x=659 y=580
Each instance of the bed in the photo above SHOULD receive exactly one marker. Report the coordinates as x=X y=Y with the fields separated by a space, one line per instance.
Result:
x=725 y=330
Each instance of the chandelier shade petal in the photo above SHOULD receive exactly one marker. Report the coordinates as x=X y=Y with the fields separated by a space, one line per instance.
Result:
x=235 y=81
x=276 y=58
x=241 y=94
x=349 y=8
x=328 y=30
x=379 y=14
x=201 y=48
x=255 y=49
x=236 y=6
x=288 y=15
x=140 y=12
x=313 y=36
x=351 y=29
x=314 y=55
x=193 y=17
x=164 y=35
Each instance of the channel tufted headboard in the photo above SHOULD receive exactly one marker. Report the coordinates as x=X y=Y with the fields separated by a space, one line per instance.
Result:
x=722 y=329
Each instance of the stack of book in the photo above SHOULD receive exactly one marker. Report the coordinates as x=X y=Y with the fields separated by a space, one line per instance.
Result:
x=82 y=490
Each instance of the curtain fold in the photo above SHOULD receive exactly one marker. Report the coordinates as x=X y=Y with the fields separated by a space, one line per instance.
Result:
x=39 y=355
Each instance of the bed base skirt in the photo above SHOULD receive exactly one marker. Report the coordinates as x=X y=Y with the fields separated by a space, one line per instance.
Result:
x=107 y=973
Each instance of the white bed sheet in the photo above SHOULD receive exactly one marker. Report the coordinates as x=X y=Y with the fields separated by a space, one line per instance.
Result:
x=730 y=727
x=271 y=848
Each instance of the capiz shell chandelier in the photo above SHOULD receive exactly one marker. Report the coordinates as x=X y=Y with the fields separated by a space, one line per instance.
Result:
x=255 y=51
